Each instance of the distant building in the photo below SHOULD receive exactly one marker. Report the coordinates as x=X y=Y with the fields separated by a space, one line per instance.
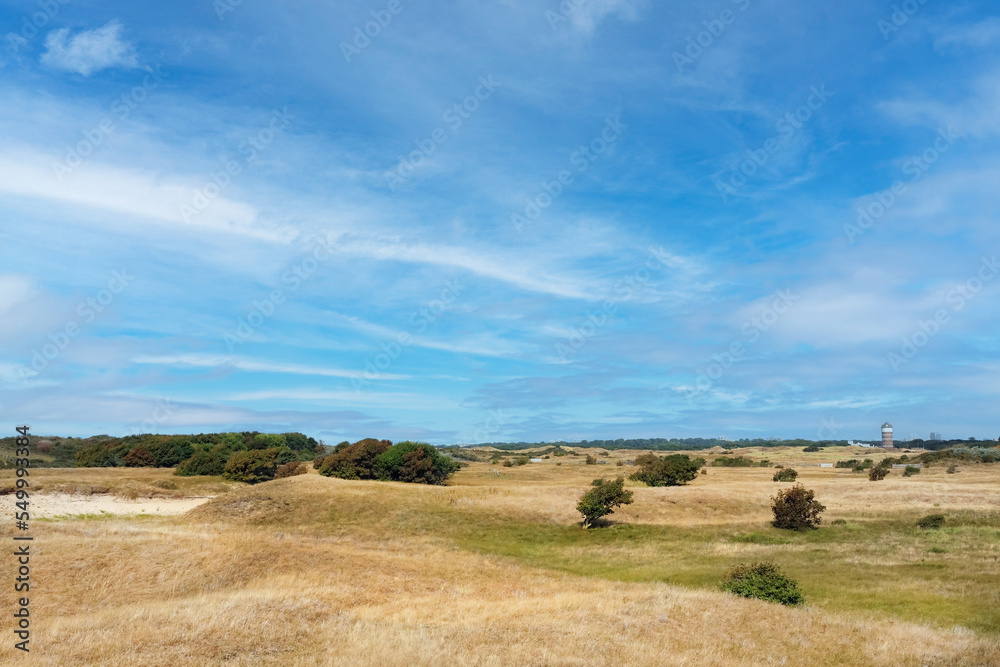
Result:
x=887 y=436
x=536 y=460
x=935 y=436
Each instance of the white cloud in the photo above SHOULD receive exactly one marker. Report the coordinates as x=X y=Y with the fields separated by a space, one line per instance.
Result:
x=132 y=194
x=14 y=289
x=489 y=265
x=212 y=361
x=589 y=13
x=89 y=51
x=976 y=35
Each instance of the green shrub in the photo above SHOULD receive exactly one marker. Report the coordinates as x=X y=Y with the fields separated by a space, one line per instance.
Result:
x=850 y=463
x=202 y=463
x=169 y=453
x=507 y=463
x=796 y=509
x=762 y=581
x=732 y=462
x=590 y=460
x=877 y=474
x=602 y=500
x=415 y=462
x=931 y=521
x=355 y=461
x=97 y=456
x=672 y=470
x=812 y=448
x=952 y=469
x=838 y=522
x=785 y=475
x=256 y=465
x=910 y=471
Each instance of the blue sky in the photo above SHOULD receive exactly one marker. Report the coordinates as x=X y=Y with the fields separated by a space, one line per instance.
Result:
x=500 y=221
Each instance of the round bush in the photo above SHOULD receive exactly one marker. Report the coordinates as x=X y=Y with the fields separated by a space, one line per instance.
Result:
x=785 y=475
x=762 y=581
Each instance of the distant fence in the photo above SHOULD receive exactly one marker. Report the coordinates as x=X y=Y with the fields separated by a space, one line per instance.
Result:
x=907 y=465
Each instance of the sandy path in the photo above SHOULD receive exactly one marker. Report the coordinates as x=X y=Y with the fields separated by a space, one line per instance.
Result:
x=60 y=504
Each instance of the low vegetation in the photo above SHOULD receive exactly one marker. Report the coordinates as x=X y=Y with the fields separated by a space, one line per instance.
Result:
x=671 y=470
x=762 y=581
x=785 y=475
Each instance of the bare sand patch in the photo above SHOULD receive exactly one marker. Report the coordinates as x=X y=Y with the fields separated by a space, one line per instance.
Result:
x=47 y=506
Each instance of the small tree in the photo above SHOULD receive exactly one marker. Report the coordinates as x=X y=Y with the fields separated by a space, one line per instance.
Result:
x=590 y=460
x=796 y=509
x=602 y=500
x=785 y=475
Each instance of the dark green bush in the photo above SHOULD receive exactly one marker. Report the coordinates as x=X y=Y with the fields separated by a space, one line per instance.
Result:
x=736 y=462
x=355 y=461
x=762 y=581
x=202 y=463
x=910 y=471
x=850 y=463
x=785 y=475
x=812 y=448
x=415 y=462
x=931 y=521
x=672 y=470
x=602 y=500
x=838 y=522
x=877 y=474
x=796 y=509
x=590 y=460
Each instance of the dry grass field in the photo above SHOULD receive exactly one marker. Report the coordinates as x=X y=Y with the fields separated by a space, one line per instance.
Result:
x=495 y=570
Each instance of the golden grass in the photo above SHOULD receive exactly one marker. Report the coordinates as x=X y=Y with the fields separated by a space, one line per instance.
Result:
x=317 y=571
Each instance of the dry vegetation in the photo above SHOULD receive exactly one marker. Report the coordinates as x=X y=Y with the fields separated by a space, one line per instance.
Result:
x=495 y=570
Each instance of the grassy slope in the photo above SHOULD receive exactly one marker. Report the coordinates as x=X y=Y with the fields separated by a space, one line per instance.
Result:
x=492 y=570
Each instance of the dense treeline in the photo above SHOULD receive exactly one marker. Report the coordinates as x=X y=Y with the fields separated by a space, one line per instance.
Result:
x=677 y=444
x=249 y=456
x=664 y=444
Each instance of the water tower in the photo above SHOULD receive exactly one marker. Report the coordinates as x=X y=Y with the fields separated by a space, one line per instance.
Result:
x=887 y=435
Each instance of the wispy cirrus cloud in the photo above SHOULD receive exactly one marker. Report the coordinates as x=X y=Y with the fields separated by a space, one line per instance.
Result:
x=89 y=51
